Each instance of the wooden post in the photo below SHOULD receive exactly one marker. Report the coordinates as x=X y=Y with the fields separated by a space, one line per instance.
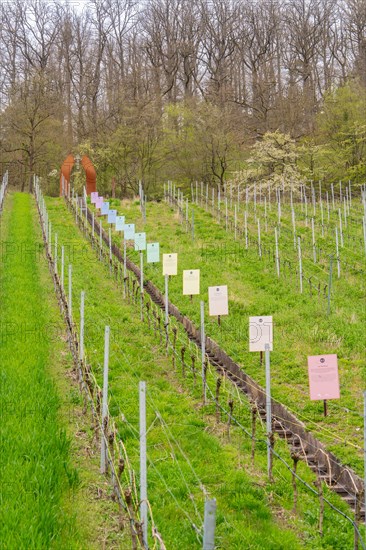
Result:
x=254 y=429
x=231 y=407
x=217 y=398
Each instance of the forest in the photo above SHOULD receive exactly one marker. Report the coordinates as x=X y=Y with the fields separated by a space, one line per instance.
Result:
x=177 y=90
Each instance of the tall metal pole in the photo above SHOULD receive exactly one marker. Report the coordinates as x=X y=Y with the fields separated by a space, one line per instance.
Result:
x=330 y=282
x=364 y=448
x=56 y=253
x=103 y=450
x=166 y=300
x=62 y=266
x=70 y=293
x=141 y=284
x=124 y=267
x=268 y=411
x=81 y=347
x=203 y=349
x=300 y=262
x=110 y=248
x=277 y=256
x=143 y=469
x=337 y=251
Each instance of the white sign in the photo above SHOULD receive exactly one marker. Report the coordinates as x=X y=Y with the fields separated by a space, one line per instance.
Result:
x=153 y=253
x=93 y=197
x=112 y=214
x=218 y=301
x=323 y=377
x=260 y=333
x=140 y=241
x=170 y=264
x=129 y=231
x=120 y=223
x=105 y=208
x=191 y=281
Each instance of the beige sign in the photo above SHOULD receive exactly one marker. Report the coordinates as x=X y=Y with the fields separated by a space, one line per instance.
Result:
x=191 y=281
x=170 y=264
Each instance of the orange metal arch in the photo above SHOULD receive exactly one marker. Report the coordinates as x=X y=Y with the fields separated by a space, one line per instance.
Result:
x=90 y=173
x=66 y=172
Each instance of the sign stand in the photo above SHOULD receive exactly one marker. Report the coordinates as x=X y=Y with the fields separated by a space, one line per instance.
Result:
x=143 y=463
x=268 y=412
x=203 y=349
x=364 y=447
x=124 y=267
x=142 y=283
x=325 y=408
x=104 y=448
x=166 y=301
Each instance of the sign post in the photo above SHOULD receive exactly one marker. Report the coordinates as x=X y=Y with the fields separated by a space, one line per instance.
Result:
x=261 y=339
x=62 y=266
x=203 y=349
x=364 y=447
x=70 y=293
x=104 y=448
x=143 y=464
x=82 y=307
x=268 y=412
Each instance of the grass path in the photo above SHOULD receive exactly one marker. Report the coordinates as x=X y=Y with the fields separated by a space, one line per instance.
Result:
x=44 y=475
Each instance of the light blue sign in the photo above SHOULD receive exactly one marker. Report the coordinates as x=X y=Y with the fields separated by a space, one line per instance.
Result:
x=153 y=253
x=112 y=214
x=129 y=231
x=105 y=208
x=120 y=223
x=140 y=241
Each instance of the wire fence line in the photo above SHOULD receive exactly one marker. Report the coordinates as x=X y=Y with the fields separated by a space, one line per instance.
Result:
x=327 y=466
x=122 y=476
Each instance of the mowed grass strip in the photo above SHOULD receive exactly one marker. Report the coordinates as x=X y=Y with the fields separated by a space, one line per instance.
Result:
x=37 y=474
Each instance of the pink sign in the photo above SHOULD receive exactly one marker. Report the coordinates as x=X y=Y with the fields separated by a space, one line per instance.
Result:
x=93 y=197
x=218 y=303
x=323 y=377
x=99 y=202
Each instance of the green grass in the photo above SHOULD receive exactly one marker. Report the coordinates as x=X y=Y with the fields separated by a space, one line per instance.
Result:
x=301 y=326
x=221 y=465
x=36 y=473
x=48 y=473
